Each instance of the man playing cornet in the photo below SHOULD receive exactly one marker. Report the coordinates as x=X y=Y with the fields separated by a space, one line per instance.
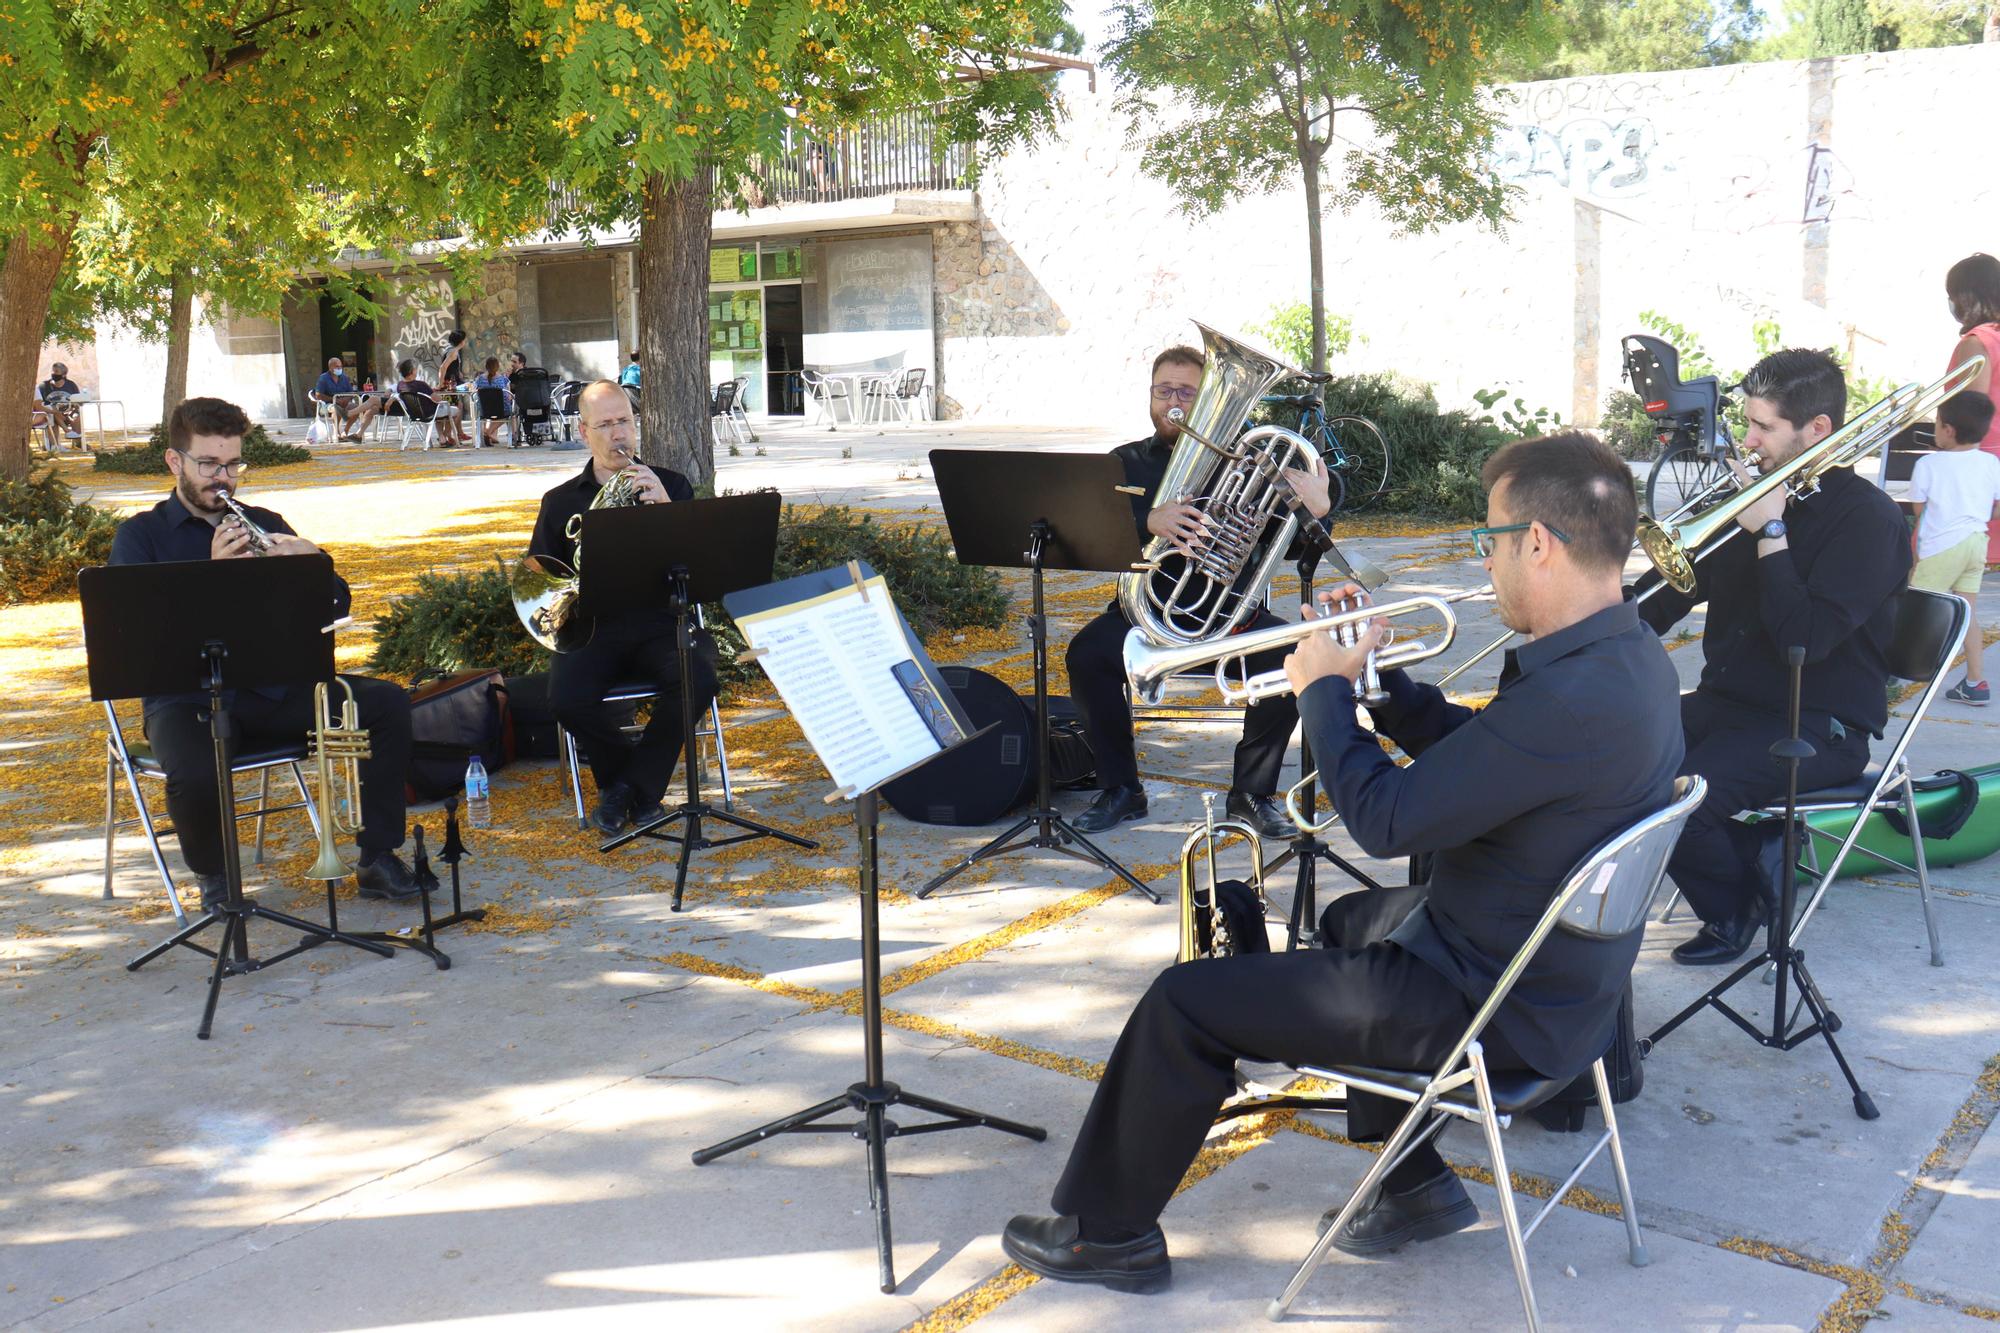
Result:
x=1582 y=740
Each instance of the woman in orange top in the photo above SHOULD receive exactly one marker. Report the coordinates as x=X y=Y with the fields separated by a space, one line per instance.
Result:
x=1972 y=287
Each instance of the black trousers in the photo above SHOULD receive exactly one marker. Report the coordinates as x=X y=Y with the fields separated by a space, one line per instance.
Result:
x=631 y=652
x=1097 y=684
x=179 y=735
x=1724 y=868
x=1360 y=1000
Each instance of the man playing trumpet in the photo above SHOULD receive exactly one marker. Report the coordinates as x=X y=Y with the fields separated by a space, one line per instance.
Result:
x=1821 y=572
x=637 y=646
x=205 y=456
x=1582 y=739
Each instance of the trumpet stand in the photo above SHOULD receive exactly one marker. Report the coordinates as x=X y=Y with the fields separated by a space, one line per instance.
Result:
x=232 y=951
x=1306 y=849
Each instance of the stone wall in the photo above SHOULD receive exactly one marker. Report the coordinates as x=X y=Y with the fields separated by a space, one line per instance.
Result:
x=1812 y=195
x=492 y=319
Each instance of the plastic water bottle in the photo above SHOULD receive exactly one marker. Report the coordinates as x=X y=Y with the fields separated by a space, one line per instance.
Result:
x=478 y=809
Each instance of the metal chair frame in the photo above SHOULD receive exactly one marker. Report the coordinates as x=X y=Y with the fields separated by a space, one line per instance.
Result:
x=1597 y=902
x=824 y=393
x=118 y=758
x=1895 y=787
x=411 y=399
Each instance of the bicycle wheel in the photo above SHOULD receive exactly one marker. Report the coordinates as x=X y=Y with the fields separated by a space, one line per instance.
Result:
x=1355 y=448
x=1681 y=473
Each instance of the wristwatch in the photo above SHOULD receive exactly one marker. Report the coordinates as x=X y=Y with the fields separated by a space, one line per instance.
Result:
x=1772 y=531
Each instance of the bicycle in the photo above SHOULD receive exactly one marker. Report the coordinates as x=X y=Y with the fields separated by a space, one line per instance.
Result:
x=1353 y=448
x=1687 y=416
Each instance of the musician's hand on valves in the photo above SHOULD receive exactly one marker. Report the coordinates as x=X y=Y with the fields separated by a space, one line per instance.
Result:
x=1311 y=488
x=230 y=541
x=1767 y=507
x=646 y=485
x=1321 y=655
x=1179 y=522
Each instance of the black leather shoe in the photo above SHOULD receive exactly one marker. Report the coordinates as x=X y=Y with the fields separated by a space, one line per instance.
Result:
x=649 y=814
x=614 y=809
x=1054 y=1247
x=214 y=891
x=1435 y=1208
x=1264 y=814
x=386 y=877
x=1724 y=943
x=1113 y=807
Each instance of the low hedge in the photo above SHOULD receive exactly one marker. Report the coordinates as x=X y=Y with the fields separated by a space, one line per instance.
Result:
x=1434 y=456
x=454 y=622
x=46 y=537
x=150 y=458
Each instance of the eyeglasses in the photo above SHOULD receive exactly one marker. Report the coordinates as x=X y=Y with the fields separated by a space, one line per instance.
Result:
x=1171 y=393
x=211 y=468
x=1482 y=538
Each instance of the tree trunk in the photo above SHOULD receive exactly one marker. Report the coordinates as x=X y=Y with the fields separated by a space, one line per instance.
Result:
x=180 y=325
x=1993 y=23
x=1309 y=162
x=674 y=226
x=27 y=278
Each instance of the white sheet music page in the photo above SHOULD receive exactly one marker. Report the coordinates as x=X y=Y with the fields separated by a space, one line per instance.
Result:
x=833 y=659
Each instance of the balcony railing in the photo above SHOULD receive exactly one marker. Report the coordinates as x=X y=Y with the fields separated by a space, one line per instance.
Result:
x=900 y=150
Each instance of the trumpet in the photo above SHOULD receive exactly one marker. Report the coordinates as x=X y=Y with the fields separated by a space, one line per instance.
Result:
x=1147 y=664
x=260 y=540
x=1204 y=930
x=336 y=753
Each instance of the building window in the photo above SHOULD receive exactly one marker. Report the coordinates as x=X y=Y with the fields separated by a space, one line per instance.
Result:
x=579 y=326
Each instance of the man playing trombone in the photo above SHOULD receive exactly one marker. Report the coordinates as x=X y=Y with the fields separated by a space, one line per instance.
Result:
x=1582 y=739
x=1821 y=572
x=197 y=522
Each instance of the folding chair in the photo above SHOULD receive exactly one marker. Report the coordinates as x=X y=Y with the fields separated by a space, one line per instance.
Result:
x=739 y=419
x=565 y=402
x=420 y=414
x=720 y=409
x=1605 y=898
x=492 y=402
x=824 y=394
x=1930 y=629
x=136 y=761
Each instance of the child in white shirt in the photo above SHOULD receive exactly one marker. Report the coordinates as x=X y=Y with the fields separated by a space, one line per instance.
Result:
x=1956 y=492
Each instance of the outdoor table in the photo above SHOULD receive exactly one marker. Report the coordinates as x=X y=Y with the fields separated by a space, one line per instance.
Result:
x=100 y=404
x=857 y=382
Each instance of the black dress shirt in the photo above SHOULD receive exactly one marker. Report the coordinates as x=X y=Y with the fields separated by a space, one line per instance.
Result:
x=573 y=497
x=1582 y=740
x=168 y=532
x=1832 y=590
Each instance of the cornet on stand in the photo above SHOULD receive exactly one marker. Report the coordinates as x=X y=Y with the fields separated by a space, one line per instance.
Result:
x=335 y=753
x=1205 y=930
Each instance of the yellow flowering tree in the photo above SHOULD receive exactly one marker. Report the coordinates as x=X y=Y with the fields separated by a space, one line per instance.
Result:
x=1356 y=100
x=662 y=110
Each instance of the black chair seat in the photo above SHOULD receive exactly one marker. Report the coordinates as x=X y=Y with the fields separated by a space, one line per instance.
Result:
x=1514 y=1091
x=143 y=760
x=1850 y=793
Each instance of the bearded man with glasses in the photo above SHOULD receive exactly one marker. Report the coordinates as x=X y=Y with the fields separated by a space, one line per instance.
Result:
x=205 y=456
x=1096 y=655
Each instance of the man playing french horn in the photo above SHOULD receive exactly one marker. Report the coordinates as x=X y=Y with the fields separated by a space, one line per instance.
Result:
x=1582 y=739
x=1820 y=572
x=201 y=520
x=634 y=648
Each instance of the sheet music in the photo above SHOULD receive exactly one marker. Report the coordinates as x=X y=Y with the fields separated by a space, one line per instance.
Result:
x=833 y=658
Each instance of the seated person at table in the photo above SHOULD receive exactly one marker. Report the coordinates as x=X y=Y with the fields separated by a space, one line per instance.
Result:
x=629 y=377
x=430 y=405
x=637 y=646
x=205 y=456
x=352 y=411
x=1582 y=741
x=491 y=426
x=53 y=391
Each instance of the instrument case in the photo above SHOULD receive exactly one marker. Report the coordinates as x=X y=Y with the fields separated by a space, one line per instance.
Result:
x=1959 y=814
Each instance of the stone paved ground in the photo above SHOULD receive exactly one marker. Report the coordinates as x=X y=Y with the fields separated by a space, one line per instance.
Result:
x=372 y=1143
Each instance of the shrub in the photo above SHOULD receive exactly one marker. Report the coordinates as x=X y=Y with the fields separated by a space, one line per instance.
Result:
x=1626 y=427
x=1434 y=457
x=150 y=458
x=453 y=622
x=46 y=537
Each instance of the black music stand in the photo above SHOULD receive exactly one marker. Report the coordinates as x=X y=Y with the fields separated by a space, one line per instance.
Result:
x=874 y=1095
x=166 y=629
x=1072 y=511
x=1786 y=959
x=675 y=557
x=1302 y=924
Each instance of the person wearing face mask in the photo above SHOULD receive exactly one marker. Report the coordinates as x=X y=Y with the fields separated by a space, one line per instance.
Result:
x=1821 y=573
x=205 y=455
x=631 y=777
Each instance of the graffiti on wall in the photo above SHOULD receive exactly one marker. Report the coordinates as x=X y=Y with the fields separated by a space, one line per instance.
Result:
x=424 y=314
x=1588 y=156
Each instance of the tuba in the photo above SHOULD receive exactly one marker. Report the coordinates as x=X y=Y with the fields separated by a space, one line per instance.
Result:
x=336 y=753
x=544 y=589
x=1237 y=483
x=1204 y=930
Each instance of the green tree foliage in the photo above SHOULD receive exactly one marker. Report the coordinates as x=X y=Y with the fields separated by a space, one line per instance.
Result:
x=1633 y=36
x=1847 y=27
x=1838 y=27
x=1360 y=100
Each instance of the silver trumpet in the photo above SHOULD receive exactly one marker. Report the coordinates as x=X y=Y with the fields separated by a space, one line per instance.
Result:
x=1148 y=665
x=260 y=540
